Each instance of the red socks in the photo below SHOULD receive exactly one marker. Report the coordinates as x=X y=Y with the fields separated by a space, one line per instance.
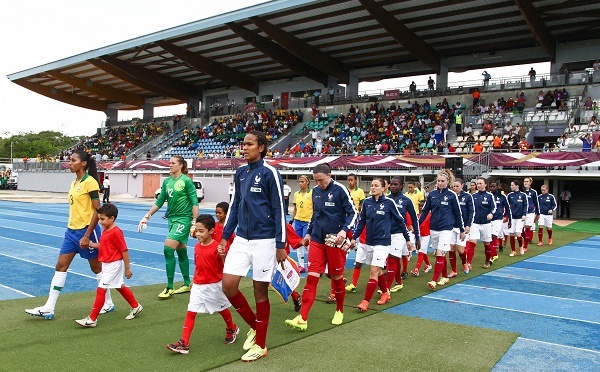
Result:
x=541 y=233
x=488 y=251
x=463 y=258
x=452 y=257
x=440 y=265
x=520 y=241
x=470 y=251
x=98 y=302
x=382 y=283
x=263 y=312
x=128 y=296
x=419 y=260
x=404 y=264
x=527 y=235
x=188 y=326
x=392 y=267
x=241 y=305
x=355 y=276
x=226 y=315
x=371 y=287
x=512 y=243
x=549 y=233
x=340 y=294
x=308 y=295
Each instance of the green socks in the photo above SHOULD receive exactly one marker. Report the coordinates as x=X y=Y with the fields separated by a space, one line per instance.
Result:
x=170 y=265
x=184 y=265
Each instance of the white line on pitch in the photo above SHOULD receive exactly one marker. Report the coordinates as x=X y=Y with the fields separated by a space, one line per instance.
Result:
x=558 y=264
x=494 y=273
x=548 y=271
x=16 y=290
x=560 y=345
x=44 y=265
x=525 y=293
x=571 y=258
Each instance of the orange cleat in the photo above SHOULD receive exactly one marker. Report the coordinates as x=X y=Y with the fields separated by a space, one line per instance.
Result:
x=385 y=297
x=539 y=244
x=550 y=241
x=363 y=306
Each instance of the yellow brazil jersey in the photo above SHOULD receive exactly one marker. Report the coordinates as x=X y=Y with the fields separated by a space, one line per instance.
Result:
x=416 y=197
x=358 y=196
x=304 y=206
x=80 y=202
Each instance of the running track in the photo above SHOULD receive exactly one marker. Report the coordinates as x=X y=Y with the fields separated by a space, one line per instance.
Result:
x=551 y=300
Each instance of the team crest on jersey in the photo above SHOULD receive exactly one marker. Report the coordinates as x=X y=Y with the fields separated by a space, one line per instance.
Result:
x=330 y=196
x=329 y=203
x=257 y=179
x=381 y=206
x=445 y=201
x=179 y=185
x=484 y=200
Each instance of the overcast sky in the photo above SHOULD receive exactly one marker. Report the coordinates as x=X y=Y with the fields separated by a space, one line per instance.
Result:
x=36 y=32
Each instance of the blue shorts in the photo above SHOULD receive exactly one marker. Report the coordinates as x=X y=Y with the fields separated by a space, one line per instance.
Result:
x=71 y=243
x=301 y=228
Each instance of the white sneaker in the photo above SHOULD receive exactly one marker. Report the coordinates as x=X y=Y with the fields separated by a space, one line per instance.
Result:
x=250 y=340
x=134 y=312
x=427 y=268
x=255 y=353
x=107 y=309
x=41 y=312
x=87 y=322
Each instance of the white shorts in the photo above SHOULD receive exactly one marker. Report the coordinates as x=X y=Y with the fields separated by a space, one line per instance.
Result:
x=481 y=232
x=517 y=226
x=529 y=218
x=377 y=254
x=208 y=298
x=424 y=240
x=496 y=228
x=112 y=274
x=546 y=220
x=258 y=254
x=361 y=253
x=505 y=229
x=455 y=238
x=441 y=240
x=398 y=246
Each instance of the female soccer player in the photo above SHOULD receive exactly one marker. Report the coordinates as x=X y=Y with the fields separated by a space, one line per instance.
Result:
x=533 y=211
x=379 y=215
x=180 y=193
x=502 y=213
x=518 y=202
x=445 y=216
x=303 y=210
x=481 y=229
x=547 y=204
x=467 y=209
x=333 y=214
x=257 y=213
x=82 y=227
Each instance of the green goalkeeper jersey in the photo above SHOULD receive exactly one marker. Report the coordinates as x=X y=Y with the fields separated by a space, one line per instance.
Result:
x=180 y=194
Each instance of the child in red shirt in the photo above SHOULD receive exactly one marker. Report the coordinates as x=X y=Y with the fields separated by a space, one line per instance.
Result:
x=425 y=233
x=207 y=292
x=112 y=252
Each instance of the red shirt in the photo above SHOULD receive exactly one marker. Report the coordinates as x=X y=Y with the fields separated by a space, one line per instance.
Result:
x=112 y=245
x=209 y=266
x=424 y=227
x=292 y=239
x=218 y=233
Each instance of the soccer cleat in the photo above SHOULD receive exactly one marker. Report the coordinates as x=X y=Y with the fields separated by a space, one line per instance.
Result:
x=41 y=312
x=550 y=241
x=513 y=254
x=231 y=335
x=396 y=288
x=466 y=269
x=331 y=299
x=470 y=266
x=404 y=275
x=379 y=291
x=427 y=268
x=452 y=274
x=297 y=304
x=384 y=299
x=351 y=288
x=250 y=339
x=363 y=306
x=135 y=312
x=297 y=323
x=86 y=322
x=255 y=353
x=522 y=251
x=182 y=289
x=168 y=292
x=415 y=272
x=443 y=281
x=431 y=285
x=493 y=259
x=501 y=249
x=338 y=318
x=539 y=244
x=179 y=347
x=486 y=265
x=107 y=309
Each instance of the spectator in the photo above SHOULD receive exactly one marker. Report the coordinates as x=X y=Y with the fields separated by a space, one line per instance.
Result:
x=476 y=96
x=508 y=128
x=430 y=83
x=468 y=129
x=487 y=128
x=521 y=102
x=317 y=94
x=587 y=105
x=331 y=94
x=497 y=144
x=587 y=143
x=593 y=125
x=412 y=88
x=565 y=203
x=478 y=148
x=486 y=78
x=148 y=155
x=532 y=75
x=523 y=145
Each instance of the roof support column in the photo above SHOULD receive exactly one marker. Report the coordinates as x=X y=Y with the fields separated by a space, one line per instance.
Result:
x=148 y=111
x=441 y=79
x=112 y=116
x=332 y=83
x=352 y=87
x=193 y=110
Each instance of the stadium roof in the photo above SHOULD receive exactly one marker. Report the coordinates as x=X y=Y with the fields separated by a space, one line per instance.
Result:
x=369 y=39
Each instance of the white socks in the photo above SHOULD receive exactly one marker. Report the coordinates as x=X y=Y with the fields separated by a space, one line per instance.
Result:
x=56 y=286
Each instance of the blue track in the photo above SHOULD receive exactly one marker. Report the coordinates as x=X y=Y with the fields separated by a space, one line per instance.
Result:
x=551 y=300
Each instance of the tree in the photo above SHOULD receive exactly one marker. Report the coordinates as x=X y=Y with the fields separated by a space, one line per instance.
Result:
x=45 y=143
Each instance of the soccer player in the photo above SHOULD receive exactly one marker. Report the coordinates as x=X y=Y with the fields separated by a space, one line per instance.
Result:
x=303 y=210
x=333 y=213
x=207 y=292
x=356 y=193
x=82 y=227
x=518 y=202
x=533 y=211
x=180 y=193
x=445 y=216
x=548 y=205
x=257 y=213
x=399 y=246
x=378 y=215
x=502 y=213
x=485 y=207
x=467 y=211
x=415 y=195
x=358 y=197
x=112 y=252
